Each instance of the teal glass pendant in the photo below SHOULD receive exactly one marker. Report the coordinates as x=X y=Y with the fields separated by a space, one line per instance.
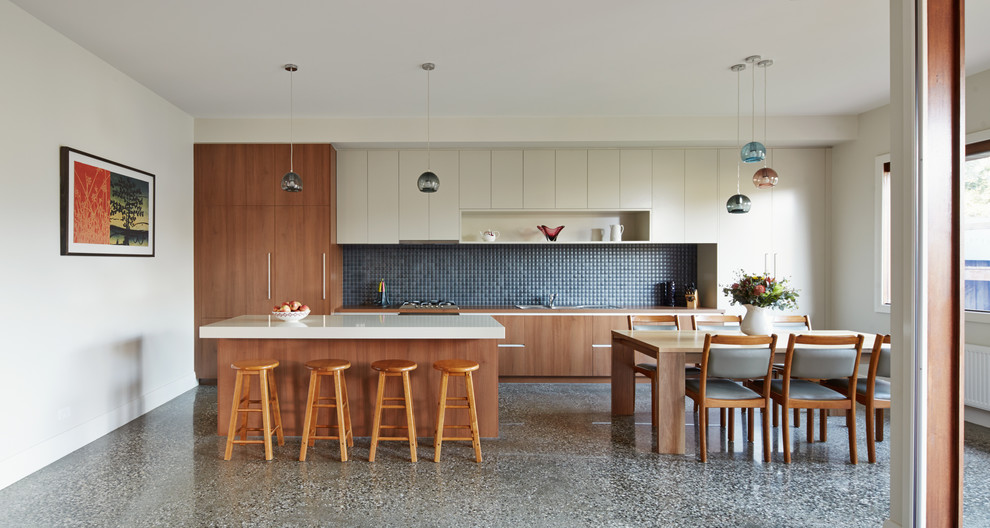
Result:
x=738 y=204
x=753 y=151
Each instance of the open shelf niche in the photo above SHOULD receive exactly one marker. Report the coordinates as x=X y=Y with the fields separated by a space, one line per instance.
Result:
x=518 y=226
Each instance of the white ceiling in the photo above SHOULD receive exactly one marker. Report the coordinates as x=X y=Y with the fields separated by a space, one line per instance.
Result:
x=361 y=58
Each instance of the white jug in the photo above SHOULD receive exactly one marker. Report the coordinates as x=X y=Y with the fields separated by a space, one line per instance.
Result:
x=617 y=230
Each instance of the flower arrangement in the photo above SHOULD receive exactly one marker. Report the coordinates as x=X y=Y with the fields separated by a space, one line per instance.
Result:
x=762 y=291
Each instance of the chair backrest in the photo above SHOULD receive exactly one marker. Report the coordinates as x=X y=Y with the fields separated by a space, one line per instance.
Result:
x=791 y=323
x=880 y=357
x=654 y=322
x=741 y=357
x=715 y=322
x=827 y=357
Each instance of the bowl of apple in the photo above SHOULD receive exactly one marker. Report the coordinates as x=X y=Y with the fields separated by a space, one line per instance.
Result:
x=291 y=311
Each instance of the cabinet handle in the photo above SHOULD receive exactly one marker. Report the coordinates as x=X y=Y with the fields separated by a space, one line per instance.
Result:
x=774 y=264
x=766 y=266
x=601 y=346
x=324 y=276
x=509 y=345
x=269 y=276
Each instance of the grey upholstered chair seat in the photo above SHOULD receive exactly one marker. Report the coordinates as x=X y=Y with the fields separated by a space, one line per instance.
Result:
x=721 y=389
x=881 y=389
x=803 y=390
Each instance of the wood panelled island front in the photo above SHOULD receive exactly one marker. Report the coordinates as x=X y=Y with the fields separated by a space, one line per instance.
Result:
x=362 y=339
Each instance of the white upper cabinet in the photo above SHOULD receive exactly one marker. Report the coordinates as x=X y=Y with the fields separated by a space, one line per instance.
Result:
x=414 y=206
x=507 y=179
x=444 y=211
x=603 y=179
x=383 y=197
x=668 y=197
x=635 y=179
x=743 y=238
x=476 y=179
x=352 y=196
x=539 y=187
x=701 y=200
x=572 y=179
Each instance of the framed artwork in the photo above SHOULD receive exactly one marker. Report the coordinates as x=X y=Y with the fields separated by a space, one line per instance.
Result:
x=107 y=208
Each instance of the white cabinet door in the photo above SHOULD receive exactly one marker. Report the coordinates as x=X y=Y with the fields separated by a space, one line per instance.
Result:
x=668 y=197
x=701 y=200
x=572 y=179
x=636 y=179
x=475 y=179
x=539 y=187
x=744 y=238
x=443 y=210
x=798 y=223
x=352 y=196
x=603 y=179
x=507 y=179
x=414 y=206
x=383 y=197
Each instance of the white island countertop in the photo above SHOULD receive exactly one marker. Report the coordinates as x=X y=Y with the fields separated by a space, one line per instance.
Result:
x=357 y=326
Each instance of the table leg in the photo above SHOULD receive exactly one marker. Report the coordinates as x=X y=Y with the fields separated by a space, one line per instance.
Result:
x=623 y=379
x=670 y=403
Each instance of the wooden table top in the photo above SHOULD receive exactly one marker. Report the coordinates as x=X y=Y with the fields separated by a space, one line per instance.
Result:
x=660 y=341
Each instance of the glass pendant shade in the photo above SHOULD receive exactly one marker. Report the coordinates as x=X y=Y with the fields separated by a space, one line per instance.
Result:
x=428 y=182
x=738 y=204
x=753 y=151
x=291 y=182
x=765 y=178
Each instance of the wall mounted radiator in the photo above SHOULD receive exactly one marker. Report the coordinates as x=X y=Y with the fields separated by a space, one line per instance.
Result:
x=977 y=376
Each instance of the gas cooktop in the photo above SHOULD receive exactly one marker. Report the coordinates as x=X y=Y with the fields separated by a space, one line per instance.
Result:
x=428 y=306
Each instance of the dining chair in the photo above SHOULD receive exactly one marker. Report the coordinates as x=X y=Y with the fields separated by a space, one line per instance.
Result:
x=786 y=324
x=719 y=385
x=872 y=393
x=824 y=357
x=648 y=369
x=715 y=322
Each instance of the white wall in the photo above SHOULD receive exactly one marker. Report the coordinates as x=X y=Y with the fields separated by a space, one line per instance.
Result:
x=86 y=343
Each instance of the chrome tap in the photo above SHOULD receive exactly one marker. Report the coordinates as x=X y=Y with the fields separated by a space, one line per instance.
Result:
x=553 y=298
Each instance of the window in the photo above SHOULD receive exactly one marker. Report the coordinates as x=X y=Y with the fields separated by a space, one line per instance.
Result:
x=882 y=246
x=976 y=226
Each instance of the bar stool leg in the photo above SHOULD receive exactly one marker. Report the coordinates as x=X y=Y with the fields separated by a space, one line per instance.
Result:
x=410 y=420
x=273 y=394
x=378 y=416
x=246 y=400
x=232 y=429
x=310 y=422
x=341 y=426
x=266 y=417
x=475 y=433
x=441 y=410
x=347 y=415
x=316 y=411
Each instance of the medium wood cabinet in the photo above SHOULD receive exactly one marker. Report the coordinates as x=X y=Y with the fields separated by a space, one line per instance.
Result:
x=255 y=245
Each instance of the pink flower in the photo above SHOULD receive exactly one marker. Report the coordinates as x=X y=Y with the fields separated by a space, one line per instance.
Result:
x=735 y=286
x=759 y=289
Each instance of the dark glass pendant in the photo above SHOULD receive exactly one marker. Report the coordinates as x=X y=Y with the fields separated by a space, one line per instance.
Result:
x=428 y=182
x=738 y=204
x=291 y=182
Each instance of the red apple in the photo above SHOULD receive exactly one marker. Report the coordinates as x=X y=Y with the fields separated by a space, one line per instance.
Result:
x=276 y=308
x=304 y=308
x=285 y=308
x=295 y=305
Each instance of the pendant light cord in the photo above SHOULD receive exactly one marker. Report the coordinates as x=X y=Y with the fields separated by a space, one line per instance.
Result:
x=765 y=66
x=738 y=119
x=428 y=158
x=753 y=106
x=290 y=121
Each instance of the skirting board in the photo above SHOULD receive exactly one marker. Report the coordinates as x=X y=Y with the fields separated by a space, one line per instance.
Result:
x=34 y=458
x=977 y=416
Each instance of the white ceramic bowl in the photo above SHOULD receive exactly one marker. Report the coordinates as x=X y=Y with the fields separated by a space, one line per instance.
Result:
x=291 y=316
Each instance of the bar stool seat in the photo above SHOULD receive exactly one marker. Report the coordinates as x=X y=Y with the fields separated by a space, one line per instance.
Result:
x=267 y=405
x=393 y=368
x=337 y=402
x=462 y=368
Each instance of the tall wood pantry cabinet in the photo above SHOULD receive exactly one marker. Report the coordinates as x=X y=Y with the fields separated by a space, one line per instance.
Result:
x=256 y=245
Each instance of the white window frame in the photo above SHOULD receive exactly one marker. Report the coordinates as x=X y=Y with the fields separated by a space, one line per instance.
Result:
x=977 y=317
x=881 y=267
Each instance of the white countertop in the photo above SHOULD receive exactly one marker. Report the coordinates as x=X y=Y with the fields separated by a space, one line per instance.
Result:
x=357 y=326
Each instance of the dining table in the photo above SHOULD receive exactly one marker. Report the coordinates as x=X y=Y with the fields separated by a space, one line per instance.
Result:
x=673 y=349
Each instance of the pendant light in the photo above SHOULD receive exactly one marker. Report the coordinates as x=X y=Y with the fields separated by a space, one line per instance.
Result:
x=738 y=203
x=291 y=182
x=754 y=150
x=766 y=177
x=428 y=181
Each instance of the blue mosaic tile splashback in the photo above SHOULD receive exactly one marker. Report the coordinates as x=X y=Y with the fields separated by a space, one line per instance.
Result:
x=507 y=274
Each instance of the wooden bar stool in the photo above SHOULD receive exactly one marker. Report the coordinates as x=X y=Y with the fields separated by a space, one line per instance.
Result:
x=264 y=369
x=462 y=368
x=318 y=369
x=393 y=368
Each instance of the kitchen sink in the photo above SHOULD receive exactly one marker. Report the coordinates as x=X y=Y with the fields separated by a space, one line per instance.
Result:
x=531 y=306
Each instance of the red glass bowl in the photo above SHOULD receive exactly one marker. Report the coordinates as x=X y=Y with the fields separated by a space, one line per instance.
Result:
x=550 y=232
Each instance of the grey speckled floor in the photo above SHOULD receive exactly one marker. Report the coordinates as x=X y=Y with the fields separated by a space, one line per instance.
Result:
x=560 y=461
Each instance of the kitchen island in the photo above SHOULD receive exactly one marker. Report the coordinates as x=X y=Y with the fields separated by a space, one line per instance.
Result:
x=362 y=339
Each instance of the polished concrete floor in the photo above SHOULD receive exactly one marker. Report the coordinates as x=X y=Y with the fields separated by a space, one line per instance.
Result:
x=561 y=460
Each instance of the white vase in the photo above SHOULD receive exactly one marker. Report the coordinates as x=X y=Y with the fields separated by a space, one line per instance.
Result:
x=757 y=321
